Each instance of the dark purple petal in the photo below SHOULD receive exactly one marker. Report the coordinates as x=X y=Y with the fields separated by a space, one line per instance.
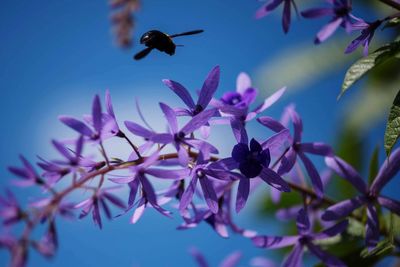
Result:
x=287 y=161
x=202 y=145
x=114 y=200
x=355 y=43
x=168 y=174
x=278 y=140
x=148 y=190
x=200 y=260
x=169 y=114
x=138 y=130
x=391 y=204
x=183 y=156
x=227 y=164
x=328 y=30
x=342 y=209
x=347 y=172
x=162 y=138
x=389 y=169
x=332 y=231
x=372 y=227
x=271 y=123
x=96 y=214
x=209 y=87
x=242 y=193
x=297 y=124
x=288 y=213
x=274 y=180
x=274 y=241
x=97 y=114
x=180 y=91
x=316 y=148
x=63 y=150
x=209 y=194
x=267 y=8
x=326 y=258
x=240 y=152
x=77 y=125
x=239 y=131
x=133 y=186
x=303 y=222
x=188 y=194
x=295 y=257
x=317 y=12
x=314 y=175
x=197 y=121
x=286 y=16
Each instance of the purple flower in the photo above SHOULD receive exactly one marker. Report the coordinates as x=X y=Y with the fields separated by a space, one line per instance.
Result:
x=99 y=200
x=101 y=126
x=252 y=161
x=304 y=239
x=139 y=180
x=220 y=221
x=370 y=195
x=314 y=207
x=27 y=174
x=231 y=260
x=340 y=12
x=298 y=149
x=55 y=170
x=238 y=114
x=48 y=244
x=202 y=173
x=10 y=211
x=272 y=5
x=207 y=91
x=179 y=137
x=367 y=32
x=241 y=98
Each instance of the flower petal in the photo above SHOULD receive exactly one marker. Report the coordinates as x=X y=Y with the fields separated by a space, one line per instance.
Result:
x=243 y=82
x=342 y=209
x=197 y=121
x=347 y=172
x=274 y=241
x=274 y=180
x=314 y=175
x=391 y=204
x=209 y=194
x=77 y=125
x=180 y=91
x=242 y=194
x=209 y=87
x=169 y=114
x=389 y=169
x=188 y=194
x=326 y=258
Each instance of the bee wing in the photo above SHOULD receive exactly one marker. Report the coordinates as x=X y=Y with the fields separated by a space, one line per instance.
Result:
x=143 y=53
x=186 y=33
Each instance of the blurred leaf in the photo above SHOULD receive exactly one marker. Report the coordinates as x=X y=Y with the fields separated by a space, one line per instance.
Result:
x=392 y=23
x=373 y=165
x=355 y=228
x=365 y=64
x=383 y=248
x=392 y=132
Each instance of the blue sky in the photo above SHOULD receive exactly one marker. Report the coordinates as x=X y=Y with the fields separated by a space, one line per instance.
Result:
x=55 y=55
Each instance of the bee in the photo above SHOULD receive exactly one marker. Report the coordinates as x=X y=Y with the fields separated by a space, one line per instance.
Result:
x=161 y=41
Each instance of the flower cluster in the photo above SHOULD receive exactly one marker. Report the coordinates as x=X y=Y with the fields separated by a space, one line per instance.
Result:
x=183 y=156
x=340 y=14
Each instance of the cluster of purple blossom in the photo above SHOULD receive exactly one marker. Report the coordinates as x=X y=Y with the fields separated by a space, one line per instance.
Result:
x=192 y=167
x=340 y=13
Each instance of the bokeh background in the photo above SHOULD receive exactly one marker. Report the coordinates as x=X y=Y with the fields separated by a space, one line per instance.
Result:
x=55 y=55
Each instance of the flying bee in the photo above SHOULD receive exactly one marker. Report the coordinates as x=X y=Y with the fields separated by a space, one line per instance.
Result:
x=161 y=41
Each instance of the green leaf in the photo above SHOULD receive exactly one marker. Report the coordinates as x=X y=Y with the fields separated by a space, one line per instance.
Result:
x=363 y=65
x=384 y=247
x=392 y=23
x=392 y=132
x=373 y=165
x=355 y=228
